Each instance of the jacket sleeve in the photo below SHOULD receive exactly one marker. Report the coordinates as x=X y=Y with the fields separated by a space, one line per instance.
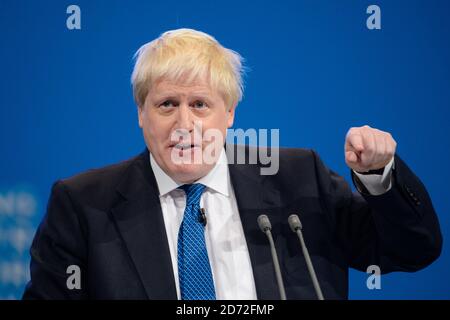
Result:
x=397 y=231
x=59 y=243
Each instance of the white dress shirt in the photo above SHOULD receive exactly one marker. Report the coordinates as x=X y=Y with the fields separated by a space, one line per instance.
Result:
x=224 y=236
x=225 y=241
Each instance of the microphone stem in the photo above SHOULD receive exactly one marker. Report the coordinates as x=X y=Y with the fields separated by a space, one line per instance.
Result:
x=276 y=266
x=310 y=266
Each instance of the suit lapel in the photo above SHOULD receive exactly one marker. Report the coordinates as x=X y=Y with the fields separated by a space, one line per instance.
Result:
x=255 y=197
x=139 y=219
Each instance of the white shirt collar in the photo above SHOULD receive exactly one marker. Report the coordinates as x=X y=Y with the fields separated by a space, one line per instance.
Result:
x=217 y=179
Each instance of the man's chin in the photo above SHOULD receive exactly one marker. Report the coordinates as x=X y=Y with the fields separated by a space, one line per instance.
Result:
x=189 y=173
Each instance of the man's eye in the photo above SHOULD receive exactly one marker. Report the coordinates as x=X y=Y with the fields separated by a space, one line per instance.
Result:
x=199 y=105
x=167 y=104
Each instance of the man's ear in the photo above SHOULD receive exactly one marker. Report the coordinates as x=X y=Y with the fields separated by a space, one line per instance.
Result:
x=140 y=111
x=230 y=114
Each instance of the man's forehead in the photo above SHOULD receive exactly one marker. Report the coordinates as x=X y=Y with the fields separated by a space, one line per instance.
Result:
x=165 y=87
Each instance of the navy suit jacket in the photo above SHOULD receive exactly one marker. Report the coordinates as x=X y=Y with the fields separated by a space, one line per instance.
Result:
x=109 y=222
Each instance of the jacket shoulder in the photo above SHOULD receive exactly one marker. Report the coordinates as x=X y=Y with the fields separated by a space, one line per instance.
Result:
x=296 y=153
x=284 y=153
x=97 y=186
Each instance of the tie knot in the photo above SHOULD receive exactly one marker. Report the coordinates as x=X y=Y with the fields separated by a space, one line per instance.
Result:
x=193 y=192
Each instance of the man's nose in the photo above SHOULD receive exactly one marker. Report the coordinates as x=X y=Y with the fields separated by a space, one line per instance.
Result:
x=184 y=119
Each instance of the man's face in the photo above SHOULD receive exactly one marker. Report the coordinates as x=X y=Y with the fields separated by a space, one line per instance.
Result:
x=174 y=121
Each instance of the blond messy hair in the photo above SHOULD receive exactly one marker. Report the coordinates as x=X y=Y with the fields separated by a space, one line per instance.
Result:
x=185 y=55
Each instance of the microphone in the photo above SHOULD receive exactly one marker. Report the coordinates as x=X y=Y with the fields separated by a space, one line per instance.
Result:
x=296 y=227
x=202 y=217
x=266 y=227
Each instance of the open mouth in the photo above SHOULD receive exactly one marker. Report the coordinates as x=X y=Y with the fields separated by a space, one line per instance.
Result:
x=184 y=146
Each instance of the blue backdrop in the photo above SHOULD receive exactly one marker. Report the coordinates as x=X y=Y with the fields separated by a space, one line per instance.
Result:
x=315 y=70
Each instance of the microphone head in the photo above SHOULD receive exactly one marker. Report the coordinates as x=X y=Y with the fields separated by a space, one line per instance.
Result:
x=294 y=222
x=202 y=217
x=264 y=223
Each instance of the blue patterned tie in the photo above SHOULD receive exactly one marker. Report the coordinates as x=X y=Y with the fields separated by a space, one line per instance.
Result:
x=194 y=270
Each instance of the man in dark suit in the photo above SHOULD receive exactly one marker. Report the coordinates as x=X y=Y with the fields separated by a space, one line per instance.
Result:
x=166 y=225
